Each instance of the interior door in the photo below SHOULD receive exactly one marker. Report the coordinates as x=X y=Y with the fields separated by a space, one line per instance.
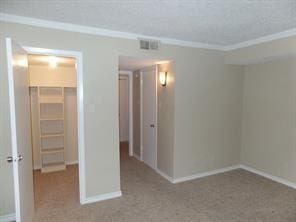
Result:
x=21 y=158
x=149 y=124
x=123 y=108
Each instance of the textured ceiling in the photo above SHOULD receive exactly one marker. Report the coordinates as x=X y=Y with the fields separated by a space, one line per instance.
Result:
x=219 y=22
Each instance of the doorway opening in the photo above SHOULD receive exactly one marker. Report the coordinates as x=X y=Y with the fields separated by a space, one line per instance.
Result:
x=54 y=129
x=124 y=108
x=46 y=106
x=138 y=105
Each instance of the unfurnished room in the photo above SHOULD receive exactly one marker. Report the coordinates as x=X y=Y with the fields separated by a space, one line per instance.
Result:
x=148 y=111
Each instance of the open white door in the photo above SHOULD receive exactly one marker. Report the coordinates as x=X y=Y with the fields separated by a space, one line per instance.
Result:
x=149 y=125
x=18 y=80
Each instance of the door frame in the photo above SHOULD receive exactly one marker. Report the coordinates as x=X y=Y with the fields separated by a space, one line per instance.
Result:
x=80 y=108
x=13 y=136
x=129 y=74
x=141 y=110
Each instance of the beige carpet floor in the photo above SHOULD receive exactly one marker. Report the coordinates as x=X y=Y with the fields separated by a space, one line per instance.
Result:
x=236 y=196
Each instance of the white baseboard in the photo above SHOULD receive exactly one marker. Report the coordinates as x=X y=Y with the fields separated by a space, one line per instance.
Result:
x=137 y=157
x=101 y=197
x=205 y=174
x=7 y=218
x=167 y=177
x=71 y=162
x=269 y=176
x=36 y=167
x=226 y=169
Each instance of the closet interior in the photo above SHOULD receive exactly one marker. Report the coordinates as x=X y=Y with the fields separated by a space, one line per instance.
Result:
x=53 y=112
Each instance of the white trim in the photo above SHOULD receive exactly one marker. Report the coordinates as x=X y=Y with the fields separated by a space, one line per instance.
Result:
x=156 y=116
x=226 y=169
x=141 y=115
x=7 y=218
x=13 y=127
x=72 y=162
x=205 y=174
x=268 y=38
x=269 y=176
x=81 y=147
x=167 y=177
x=102 y=197
x=38 y=167
x=110 y=33
x=130 y=113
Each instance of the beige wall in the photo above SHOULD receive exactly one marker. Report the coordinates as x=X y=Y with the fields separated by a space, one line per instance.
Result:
x=208 y=112
x=166 y=119
x=71 y=130
x=260 y=52
x=269 y=136
x=208 y=107
x=207 y=104
x=136 y=113
x=41 y=75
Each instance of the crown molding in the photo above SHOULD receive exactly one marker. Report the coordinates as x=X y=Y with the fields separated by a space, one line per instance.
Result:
x=133 y=36
x=100 y=32
x=264 y=39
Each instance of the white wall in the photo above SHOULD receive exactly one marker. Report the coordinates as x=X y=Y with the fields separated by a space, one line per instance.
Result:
x=269 y=118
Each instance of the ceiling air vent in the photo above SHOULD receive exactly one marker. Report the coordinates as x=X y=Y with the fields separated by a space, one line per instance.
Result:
x=148 y=44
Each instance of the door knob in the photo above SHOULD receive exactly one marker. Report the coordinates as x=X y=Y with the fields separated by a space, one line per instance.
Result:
x=152 y=125
x=20 y=158
x=9 y=159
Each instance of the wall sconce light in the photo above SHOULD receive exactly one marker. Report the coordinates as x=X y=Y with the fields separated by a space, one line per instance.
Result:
x=163 y=78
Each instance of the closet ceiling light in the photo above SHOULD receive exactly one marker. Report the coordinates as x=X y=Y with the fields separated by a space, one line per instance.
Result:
x=52 y=61
x=20 y=62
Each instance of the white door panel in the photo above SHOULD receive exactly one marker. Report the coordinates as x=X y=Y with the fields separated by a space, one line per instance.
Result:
x=123 y=108
x=18 y=80
x=149 y=117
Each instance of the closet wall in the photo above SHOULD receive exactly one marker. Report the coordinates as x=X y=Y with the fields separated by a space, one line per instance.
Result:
x=61 y=76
